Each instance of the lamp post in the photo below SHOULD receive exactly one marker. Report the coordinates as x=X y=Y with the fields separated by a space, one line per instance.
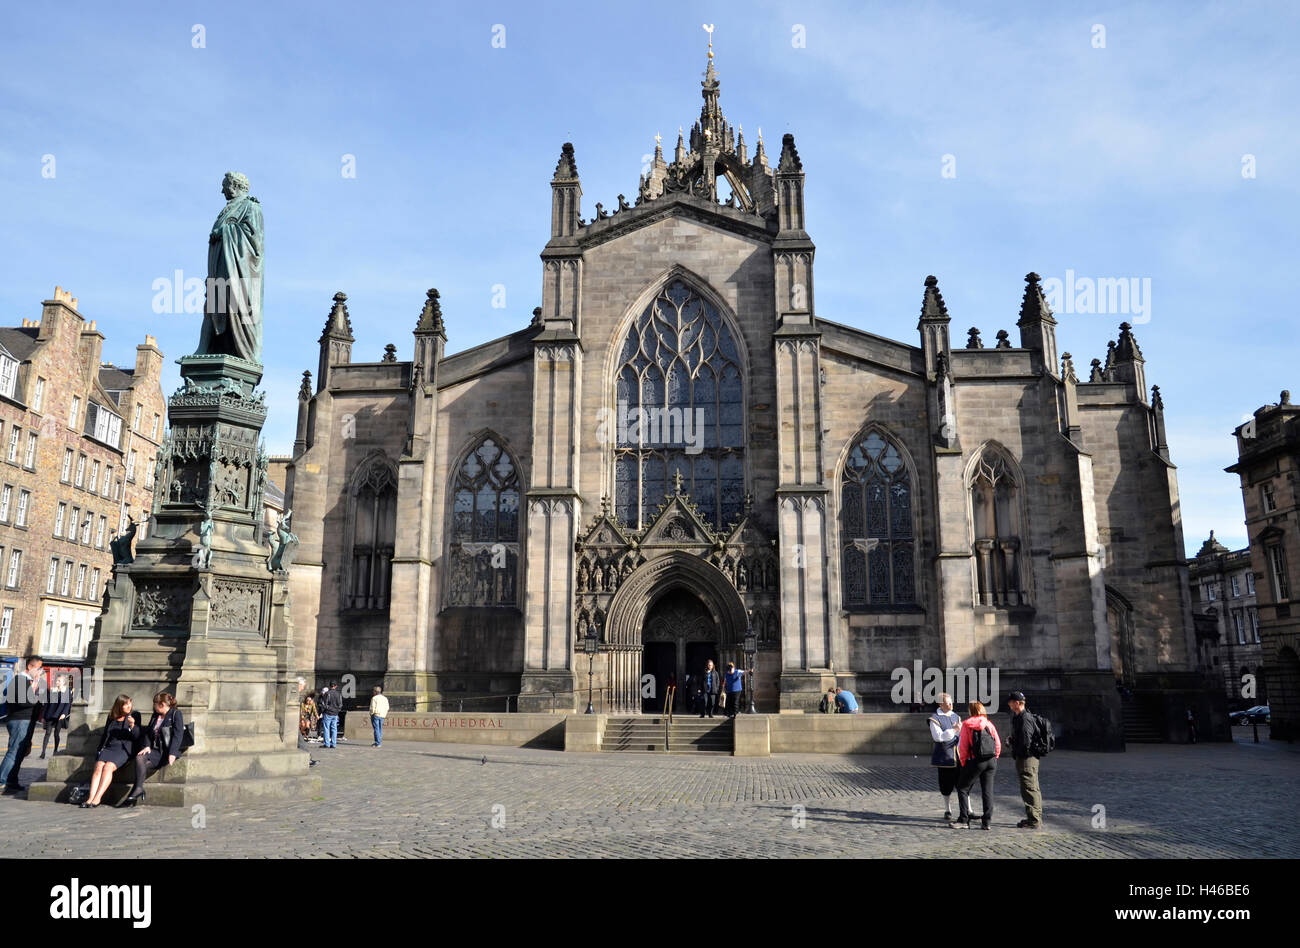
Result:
x=589 y=646
x=751 y=647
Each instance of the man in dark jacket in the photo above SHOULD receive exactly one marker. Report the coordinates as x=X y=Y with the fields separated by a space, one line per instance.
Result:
x=710 y=687
x=1024 y=730
x=25 y=704
x=331 y=705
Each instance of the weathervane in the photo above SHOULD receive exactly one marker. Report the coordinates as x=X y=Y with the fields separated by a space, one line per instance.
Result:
x=708 y=28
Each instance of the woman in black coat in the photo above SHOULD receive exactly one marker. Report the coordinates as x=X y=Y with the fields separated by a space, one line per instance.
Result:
x=55 y=716
x=115 y=748
x=158 y=745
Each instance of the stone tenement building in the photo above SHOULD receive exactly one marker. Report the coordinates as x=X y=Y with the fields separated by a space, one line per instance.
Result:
x=1223 y=592
x=1268 y=463
x=77 y=444
x=680 y=447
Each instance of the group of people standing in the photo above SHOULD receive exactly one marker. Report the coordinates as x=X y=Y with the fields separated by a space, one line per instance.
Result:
x=318 y=717
x=711 y=690
x=966 y=751
x=30 y=703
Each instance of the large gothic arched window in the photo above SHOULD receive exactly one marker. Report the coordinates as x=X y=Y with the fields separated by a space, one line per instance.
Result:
x=679 y=411
x=483 y=554
x=371 y=525
x=876 y=533
x=997 y=528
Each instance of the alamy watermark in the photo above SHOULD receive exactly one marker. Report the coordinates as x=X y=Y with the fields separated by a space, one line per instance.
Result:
x=652 y=427
x=963 y=684
x=1100 y=296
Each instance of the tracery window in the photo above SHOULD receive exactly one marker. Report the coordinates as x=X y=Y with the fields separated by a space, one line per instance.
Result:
x=679 y=411
x=372 y=516
x=484 y=549
x=877 y=542
x=995 y=508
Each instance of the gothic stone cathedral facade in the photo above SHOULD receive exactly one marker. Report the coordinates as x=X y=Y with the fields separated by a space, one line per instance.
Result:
x=680 y=448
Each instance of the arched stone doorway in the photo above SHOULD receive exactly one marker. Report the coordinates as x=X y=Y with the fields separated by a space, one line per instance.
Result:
x=678 y=637
x=683 y=600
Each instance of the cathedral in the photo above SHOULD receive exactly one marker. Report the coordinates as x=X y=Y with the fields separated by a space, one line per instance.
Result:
x=681 y=452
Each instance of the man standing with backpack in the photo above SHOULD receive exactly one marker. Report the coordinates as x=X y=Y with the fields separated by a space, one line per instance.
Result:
x=331 y=705
x=1031 y=739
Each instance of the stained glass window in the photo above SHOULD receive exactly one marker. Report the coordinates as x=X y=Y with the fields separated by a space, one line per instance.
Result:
x=484 y=551
x=679 y=411
x=878 y=547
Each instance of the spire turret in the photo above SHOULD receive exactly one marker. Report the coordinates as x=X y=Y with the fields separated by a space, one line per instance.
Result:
x=1124 y=361
x=335 y=341
x=1038 y=325
x=566 y=195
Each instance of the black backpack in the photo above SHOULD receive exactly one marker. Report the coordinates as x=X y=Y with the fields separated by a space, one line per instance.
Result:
x=982 y=745
x=1044 y=741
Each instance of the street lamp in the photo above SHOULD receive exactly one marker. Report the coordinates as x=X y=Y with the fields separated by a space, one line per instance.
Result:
x=589 y=646
x=751 y=646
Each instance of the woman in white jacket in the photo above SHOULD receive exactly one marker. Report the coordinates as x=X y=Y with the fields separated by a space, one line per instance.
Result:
x=945 y=725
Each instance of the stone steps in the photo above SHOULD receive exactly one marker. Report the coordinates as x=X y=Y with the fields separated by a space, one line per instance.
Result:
x=645 y=734
x=1139 y=728
x=194 y=778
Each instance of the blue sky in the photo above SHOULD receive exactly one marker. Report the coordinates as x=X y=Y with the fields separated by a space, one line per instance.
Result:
x=1122 y=161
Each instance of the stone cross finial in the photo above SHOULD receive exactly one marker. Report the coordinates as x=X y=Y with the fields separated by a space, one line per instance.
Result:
x=677 y=483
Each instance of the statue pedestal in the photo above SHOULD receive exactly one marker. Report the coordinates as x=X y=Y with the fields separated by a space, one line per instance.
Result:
x=213 y=630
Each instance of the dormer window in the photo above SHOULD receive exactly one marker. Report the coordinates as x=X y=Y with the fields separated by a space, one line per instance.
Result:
x=8 y=375
x=103 y=425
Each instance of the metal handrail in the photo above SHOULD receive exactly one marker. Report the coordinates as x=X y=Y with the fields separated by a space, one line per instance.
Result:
x=668 y=714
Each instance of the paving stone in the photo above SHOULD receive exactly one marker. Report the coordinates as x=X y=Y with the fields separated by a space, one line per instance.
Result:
x=437 y=801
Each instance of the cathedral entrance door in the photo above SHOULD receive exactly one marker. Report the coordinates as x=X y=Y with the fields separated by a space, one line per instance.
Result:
x=679 y=635
x=659 y=660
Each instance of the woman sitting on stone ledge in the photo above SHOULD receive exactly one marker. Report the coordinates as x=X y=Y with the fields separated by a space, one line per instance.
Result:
x=157 y=745
x=115 y=748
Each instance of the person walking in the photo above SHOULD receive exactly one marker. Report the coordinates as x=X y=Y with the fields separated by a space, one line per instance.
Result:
x=945 y=724
x=157 y=745
x=331 y=704
x=710 y=688
x=845 y=703
x=978 y=749
x=735 y=684
x=1028 y=743
x=116 y=746
x=24 y=701
x=378 y=711
x=57 y=708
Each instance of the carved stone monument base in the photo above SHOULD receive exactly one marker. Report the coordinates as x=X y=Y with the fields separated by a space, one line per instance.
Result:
x=198 y=613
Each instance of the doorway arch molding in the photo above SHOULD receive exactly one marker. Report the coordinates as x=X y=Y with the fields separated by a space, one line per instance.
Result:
x=674 y=570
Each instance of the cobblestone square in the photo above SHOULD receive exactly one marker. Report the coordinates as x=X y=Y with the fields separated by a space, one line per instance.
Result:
x=454 y=800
